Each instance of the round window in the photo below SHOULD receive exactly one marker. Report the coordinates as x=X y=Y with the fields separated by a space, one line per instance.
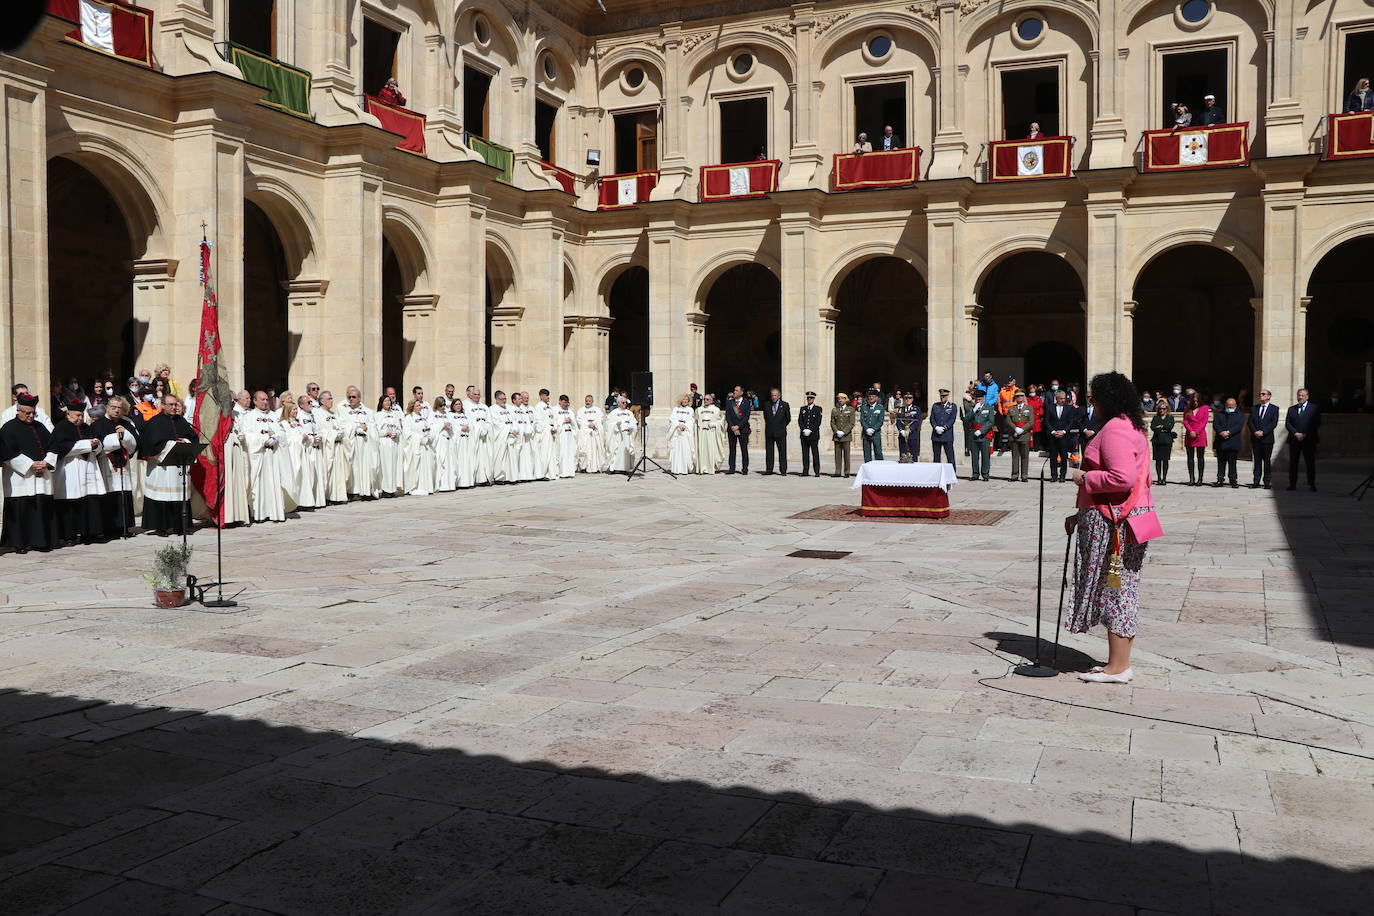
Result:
x=1195 y=10
x=550 y=68
x=634 y=77
x=743 y=63
x=480 y=30
x=879 y=46
x=1030 y=29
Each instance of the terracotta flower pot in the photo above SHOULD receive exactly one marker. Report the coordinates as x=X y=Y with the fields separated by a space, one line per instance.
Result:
x=169 y=597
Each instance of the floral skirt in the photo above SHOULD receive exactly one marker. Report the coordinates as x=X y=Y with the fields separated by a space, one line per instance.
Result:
x=1092 y=601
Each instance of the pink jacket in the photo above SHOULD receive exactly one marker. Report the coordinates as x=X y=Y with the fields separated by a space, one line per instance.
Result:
x=1195 y=426
x=1111 y=465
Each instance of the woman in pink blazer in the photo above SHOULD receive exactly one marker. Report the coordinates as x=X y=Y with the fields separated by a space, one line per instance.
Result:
x=1196 y=418
x=1115 y=520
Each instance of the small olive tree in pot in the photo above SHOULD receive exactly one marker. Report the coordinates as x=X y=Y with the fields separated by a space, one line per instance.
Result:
x=168 y=577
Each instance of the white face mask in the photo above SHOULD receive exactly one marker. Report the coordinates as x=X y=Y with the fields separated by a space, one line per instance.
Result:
x=1054 y=388
x=1178 y=391
x=1230 y=410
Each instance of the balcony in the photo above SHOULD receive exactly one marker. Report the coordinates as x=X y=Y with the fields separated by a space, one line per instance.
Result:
x=494 y=155
x=1023 y=160
x=894 y=168
x=567 y=180
x=739 y=180
x=131 y=30
x=625 y=191
x=409 y=124
x=288 y=87
x=1350 y=136
x=1216 y=147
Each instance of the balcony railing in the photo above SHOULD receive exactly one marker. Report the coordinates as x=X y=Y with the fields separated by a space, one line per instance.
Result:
x=288 y=87
x=409 y=124
x=1022 y=160
x=739 y=180
x=1187 y=148
x=894 y=168
x=1350 y=136
x=493 y=154
x=621 y=192
x=566 y=179
x=131 y=30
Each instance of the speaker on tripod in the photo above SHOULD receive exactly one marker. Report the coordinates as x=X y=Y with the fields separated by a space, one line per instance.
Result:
x=642 y=396
x=642 y=389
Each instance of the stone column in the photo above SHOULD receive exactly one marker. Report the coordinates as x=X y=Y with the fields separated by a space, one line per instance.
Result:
x=153 y=308
x=948 y=148
x=950 y=350
x=1107 y=134
x=305 y=321
x=1106 y=342
x=188 y=33
x=418 y=321
x=669 y=303
x=675 y=172
x=460 y=334
x=805 y=162
x=1284 y=133
x=1279 y=358
x=824 y=379
x=968 y=349
x=589 y=354
x=541 y=295
x=801 y=346
x=24 y=226
x=696 y=345
x=1125 y=351
x=505 y=338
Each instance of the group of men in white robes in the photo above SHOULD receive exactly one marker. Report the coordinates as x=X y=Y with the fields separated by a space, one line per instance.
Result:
x=696 y=437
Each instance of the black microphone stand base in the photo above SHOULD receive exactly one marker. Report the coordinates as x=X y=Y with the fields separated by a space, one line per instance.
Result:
x=640 y=467
x=1034 y=671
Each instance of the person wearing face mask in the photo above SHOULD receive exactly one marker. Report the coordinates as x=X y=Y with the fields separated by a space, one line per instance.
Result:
x=1226 y=427
x=1178 y=399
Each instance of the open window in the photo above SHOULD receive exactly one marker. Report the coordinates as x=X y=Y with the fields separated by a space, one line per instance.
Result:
x=1359 y=62
x=1030 y=96
x=476 y=89
x=636 y=141
x=253 y=24
x=379 y=55
x=877 y=106
x=744 y=130
x=1190 y=75
x=545 y=128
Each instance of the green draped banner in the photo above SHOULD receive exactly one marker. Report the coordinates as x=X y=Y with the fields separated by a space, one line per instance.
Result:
x=287 y=87
x=494 y=154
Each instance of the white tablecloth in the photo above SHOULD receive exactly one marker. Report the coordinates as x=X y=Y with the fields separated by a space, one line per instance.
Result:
x=915 y=474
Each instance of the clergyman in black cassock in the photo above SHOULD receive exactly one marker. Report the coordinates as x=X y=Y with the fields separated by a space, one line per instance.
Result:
x=28 y=465
x=120 y=440
x=163 y=508
x=78 y=486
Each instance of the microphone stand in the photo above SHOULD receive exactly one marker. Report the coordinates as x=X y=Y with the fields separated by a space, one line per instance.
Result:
x=644 y=458
x=1035 y=668
x=219 y=600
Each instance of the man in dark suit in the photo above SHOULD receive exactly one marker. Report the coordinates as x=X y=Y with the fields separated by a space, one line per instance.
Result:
x=696 y=396
x=1059 y=423
x=1227 y=425
x=809 y=423
x=737 y=426
x=1303 y=421
x=943 y=414
x=889 y=140
x=1178 y=399
x=1088 y=425
x=1264 y=419
x=777 y=416
x=1212 y=113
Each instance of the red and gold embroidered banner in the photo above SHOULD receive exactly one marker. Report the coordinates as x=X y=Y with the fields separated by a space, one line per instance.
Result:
x=1350 y=136
x=905 y=502
x=112 y=26
x=739 y=180
x=565 y=178
x=881 y=169
x=621 y=192
x=1020 y=160
x=1197 y=148
x=409 y=124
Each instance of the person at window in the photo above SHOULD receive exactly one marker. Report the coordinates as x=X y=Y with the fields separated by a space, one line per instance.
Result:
x=1361 y=98
x=862 y=145
x=1212 y=113
x=391 y=93
x=890 y=140
x=1034 y=132
x=1182 y=116
x=762 y=154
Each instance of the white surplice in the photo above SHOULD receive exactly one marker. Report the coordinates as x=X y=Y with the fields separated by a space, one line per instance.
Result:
x=682 y=440
x=479 y=435
x=591 y=440
x=261 y=435
x=417 y=449
x=564 y=442
x=331 y=432
x=710 y=433
x=465 y=448
x=360 y=449
x=444 y=481
x=390 y=462
x=313 y=475
x=621 y=440
x=545 y=461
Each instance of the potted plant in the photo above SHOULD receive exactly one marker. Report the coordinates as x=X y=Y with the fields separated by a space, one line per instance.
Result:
x=168 y=577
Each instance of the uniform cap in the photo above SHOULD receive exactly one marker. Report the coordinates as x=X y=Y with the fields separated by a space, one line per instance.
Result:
x=1209 y=96
x=811 y=394
x=841 y=395
x=944 y=391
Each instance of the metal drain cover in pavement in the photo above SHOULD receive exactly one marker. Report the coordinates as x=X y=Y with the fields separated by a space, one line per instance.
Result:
x=821 y=554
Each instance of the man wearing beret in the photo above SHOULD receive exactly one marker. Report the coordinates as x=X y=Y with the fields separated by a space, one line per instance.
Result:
x=809 y=425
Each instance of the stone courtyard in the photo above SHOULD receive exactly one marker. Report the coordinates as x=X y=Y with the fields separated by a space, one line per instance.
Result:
x=597 y=697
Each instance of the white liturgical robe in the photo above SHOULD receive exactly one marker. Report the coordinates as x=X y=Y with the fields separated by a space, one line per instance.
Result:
x=360 y=449
x=479 y=435
x=710 y=436
x=621 y=443
x=564 y=442
x=261 y=435
x=390 y=469
x=591 y=440
x=682 y=440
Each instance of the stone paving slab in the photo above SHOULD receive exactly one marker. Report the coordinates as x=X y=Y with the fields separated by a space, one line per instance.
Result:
x=601 y=698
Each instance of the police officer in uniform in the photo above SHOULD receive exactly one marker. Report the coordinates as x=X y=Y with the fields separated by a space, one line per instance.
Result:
x=871 y=418
x=907 y=419
x=982 y=424
x=842 y=431
x=942 y=417
x=809 y=425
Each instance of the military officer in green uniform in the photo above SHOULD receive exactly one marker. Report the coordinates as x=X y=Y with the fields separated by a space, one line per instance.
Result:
x=1020 y=420
x=871 y=418
x=981 y=418
x=842 y=432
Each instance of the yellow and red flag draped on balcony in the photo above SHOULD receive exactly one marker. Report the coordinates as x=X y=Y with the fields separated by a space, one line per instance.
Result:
x=112 y=26
x=1350 y=136
x=1019 y=160
x=739 y=180
x=879 y=169
x=1197 y=148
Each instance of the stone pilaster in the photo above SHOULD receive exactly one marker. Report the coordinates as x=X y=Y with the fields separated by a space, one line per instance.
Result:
x=306 y=322
x=801 y=345
x=1278 y=348
x=1107 y=340
x=948 y=364
x=948 y=148
x=24 y=225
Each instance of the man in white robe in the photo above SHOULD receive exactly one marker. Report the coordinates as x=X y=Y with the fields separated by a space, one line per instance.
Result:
x=621 y=443
x=591 y=437
x=119 y=445
x=545 y=456
x=682 y=437
x=500 y=438
x=237 y=472
x=261 y=435
x=314 y=473
x=524 y=458
x=359 y=445
x=710 y=436
x=464 y=444
x=565 y=437
x=479 y=419
x=331 y=431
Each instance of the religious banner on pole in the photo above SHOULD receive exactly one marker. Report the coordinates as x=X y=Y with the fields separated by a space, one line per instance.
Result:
x=214 y=414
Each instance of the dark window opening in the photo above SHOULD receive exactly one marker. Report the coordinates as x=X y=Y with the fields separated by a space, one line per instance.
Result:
x=628 y=304
x=545 y=129
x=252 y=23
x=636 y=142
x=875 y=107
x=1190 y=76
x=379 y=55
x=1359 y=61
x=476 y=88
x=744 y=130
x=1030 y=97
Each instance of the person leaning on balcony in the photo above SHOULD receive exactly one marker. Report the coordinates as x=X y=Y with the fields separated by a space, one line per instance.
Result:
x=862 y=145
x=1182 y=116
x=391 y=93
x=1213 y=113
x=1361 y=98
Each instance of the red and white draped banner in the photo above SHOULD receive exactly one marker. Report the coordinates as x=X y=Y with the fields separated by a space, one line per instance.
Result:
x=880 y=169
x=1019 y=160
x=1197 y=148
x=566 y=180
x=112 y=26
x=1350 y=136
x=621 y=192
x=739 y=180
x=409 y=124
x=214 y=413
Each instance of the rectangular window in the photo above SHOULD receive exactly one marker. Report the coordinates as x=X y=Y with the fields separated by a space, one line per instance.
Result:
x=880 y=106
x=1029 y=97
x=636 y=142
x=545 y=129
x=379 y=55
x=1190 y=75
x=744 y=130
x=252 y=24
x=1359 y=62
x=476 y=88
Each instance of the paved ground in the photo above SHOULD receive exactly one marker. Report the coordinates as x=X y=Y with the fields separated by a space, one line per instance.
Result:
x=601 y=698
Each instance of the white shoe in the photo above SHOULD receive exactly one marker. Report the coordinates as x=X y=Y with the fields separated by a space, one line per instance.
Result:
x=1098 y=676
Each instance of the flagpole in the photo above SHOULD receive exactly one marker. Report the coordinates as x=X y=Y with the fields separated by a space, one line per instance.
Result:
x=218 y=514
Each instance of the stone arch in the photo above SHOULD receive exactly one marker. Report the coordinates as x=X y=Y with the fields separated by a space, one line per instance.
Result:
x=699 y=58
x=1021 y=243
x=610 y=270
x=1214 y=238
x=291 y=216
x=407 y=240
x=1083 y=13
x=1132 y=9
x=840 y=266
x=1330 y=242
x=501 y=271
x=880 y=290
x=505 y=32
x=1339 y=331
x=1028 y=297
x=742 y=302
x=878 y=19
x=708 y=275
x=129 y=181
x=631 y=53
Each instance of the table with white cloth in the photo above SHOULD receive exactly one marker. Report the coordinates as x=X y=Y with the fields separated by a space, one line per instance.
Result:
x=890 y=489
